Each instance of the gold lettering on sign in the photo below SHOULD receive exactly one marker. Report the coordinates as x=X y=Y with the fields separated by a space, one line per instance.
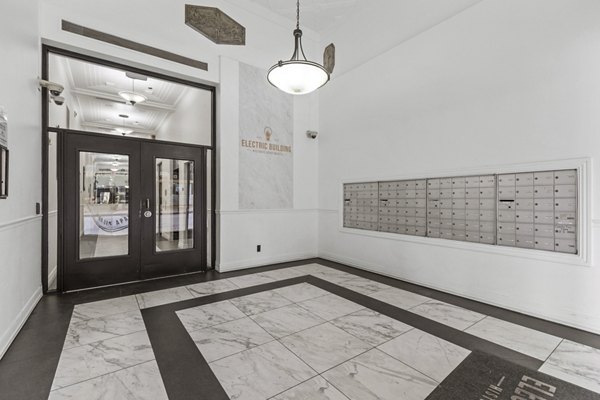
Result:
x=268 y=147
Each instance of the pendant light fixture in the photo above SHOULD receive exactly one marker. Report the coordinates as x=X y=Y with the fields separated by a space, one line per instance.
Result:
x=132 y=97
x=298 y=75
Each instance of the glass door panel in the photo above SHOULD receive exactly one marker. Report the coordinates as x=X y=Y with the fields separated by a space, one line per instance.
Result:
x=103 y=205
x=101 y=210
x=174 y=204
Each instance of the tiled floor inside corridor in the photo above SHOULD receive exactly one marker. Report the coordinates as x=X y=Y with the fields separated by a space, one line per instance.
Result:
x=305 y=332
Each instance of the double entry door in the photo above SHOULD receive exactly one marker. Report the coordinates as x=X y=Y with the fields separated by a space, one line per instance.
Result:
x=132 y=210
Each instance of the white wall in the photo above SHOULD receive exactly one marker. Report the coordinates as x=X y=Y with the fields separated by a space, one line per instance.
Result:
x=284 y=234
x=191 y=121
x=20 y=228
x=503 y=82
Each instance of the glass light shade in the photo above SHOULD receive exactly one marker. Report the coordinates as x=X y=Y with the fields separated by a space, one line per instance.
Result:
x=132 y=97
x=124 y=131
x=297 y=76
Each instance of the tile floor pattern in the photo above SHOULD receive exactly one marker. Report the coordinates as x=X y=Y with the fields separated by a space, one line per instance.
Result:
x=295 y=342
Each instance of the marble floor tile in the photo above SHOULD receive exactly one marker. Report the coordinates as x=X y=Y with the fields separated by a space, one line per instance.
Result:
x=103 y=308
x=140 y=382
x=448 y=314
x=376 y=376
x=209 y=315
x=575 y=363
x=399 y=298
x=516 y=337
x=261 y=372
x=371 y=326
x=260 y=302
x=102 y=328
x=324 y=346
x=161 y=297
x=286 y=320
x=212 y=287
x=301 y=292
x=281 y=274
x=330 y=307
x=426 y=353
x=311 y=268
x=333 y=276
x=245 y=281
x=90 y=361
x=223 y=340
x=363 y=285
x=316 y=388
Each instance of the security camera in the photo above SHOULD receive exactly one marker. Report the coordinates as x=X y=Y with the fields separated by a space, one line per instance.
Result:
x=58 y=100
x=312 y=134
x=55 y=89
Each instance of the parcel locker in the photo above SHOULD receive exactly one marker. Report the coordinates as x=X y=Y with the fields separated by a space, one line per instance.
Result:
x=543 y=205
x=445 y=233
x=472 y=204
x=543 y=178
x=433 y=184
x=524 y=179
x=506 y=193
x=506 y=205
x=565 y=191
x=506 y=239
x=506 y=180
x=543 y=192
x=459 y=204
x=433 y=231
x=472 y=182
x=459 y=214
x=487 y=181
x=472 y=236
x=459 y=236
x=543 y=243
x=527 y=209
x=544 y=217
x=421 y=184
x=487 y=238
x=524 y=204
x=544 y=231
x=472 y=193
x=524 y=229
x=487 y=204
x=567 y=177
x=525 y=217
x=524 y=192
x=506 y=216
x=566 y=204
x=487 y=193
x=446 y=183
x=565 y=246
x=565 y=232
x=526 y=242
x=507 y=228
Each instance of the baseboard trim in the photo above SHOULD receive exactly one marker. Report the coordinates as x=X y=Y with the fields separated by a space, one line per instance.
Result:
x=373 y=268
x=52 y=274
x=245 y=264
x=14 y=329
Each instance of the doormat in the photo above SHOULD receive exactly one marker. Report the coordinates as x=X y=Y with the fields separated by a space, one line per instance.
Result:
x=485 y=377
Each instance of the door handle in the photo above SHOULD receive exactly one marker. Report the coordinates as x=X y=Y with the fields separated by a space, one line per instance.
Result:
x=147 y=203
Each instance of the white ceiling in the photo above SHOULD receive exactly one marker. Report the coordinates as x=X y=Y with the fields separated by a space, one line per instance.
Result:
x=94 y=89
x=318 y=15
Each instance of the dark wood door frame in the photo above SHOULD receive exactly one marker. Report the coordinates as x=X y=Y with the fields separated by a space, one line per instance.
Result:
x=46 y=51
